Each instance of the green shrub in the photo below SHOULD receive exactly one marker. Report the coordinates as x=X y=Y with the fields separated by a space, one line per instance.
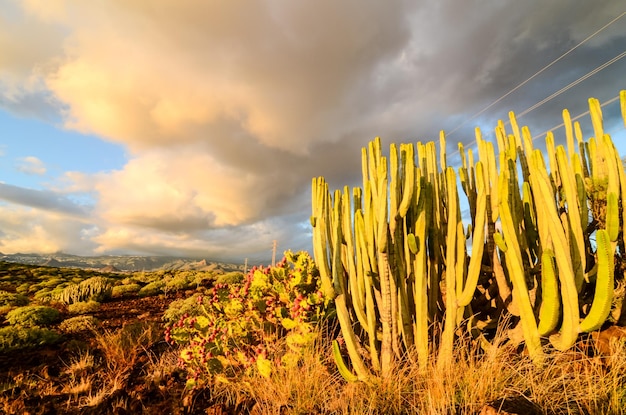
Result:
x=43 y=295
x=154 y=288
x=9 y=301
x=13 y=299
x=236 y=327
x=178 y=308
x=179 y=282
x=33 y=315
x=83 y=307
x=53 y=282
x=78 y=324
x=230 y=278
x=13 y=337
x=22 y=288
x=125 y=290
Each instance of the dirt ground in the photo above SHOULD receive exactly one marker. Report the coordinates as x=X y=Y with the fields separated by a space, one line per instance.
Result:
x=35 y=381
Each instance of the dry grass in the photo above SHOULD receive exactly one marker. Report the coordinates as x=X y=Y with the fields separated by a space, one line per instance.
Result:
x=567 y=383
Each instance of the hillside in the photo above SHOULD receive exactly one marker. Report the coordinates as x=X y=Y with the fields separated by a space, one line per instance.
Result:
x=121 y=263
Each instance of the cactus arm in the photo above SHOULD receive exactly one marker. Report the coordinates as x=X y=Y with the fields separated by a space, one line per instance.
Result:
x=601 y=306
x=596 y=118
x=545 y=198
x=341 y=365
x=516 y=273
x=577 y=245
x=421 y=282
x=447 y=337
x=409 y=181
x=550 y=309
x=351 y=340
x=478 y=242
x=569 y=133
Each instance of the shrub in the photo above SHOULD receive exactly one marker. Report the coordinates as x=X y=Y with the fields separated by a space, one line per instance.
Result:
x=230 y=278
x=178 y=308
x=10 y=300
x=33 y=315
x=43 y=295
x=154 y=288
x=83 y=307
x=78 y=324
x=53 y=282
x=179 y=282
x=236 y=327
x=125 y=290
x=22 y=288
x=13 y=338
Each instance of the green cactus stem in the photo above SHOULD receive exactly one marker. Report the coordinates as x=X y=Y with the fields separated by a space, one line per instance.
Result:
x=601 y=306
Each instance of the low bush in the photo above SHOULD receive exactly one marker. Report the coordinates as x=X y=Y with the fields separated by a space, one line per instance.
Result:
x=83 y=307
x=153 y=288
x=33 y=315
x=179 y=308
x=125 y=290
x=78 y=324
x=9 y=301
x=230 y=278
x=179 y=282
x=13 y=337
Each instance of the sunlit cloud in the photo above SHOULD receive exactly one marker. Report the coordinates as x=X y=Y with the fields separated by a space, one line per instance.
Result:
x=228 y=109
x=31 y=165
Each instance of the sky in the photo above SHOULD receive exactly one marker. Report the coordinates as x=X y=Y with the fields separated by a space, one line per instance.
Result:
x=194 y=127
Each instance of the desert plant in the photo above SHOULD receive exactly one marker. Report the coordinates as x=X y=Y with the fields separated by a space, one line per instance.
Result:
x=78 y=324
x=83 y=307
x=9 y=301
x=180 y=281
x=125 y=290
x=394 y=253
x=33 y=315
x=238 y=324
x=230 y=278
x=186 y=306
x=15 y=337
x=94 y=288
x=153 y=288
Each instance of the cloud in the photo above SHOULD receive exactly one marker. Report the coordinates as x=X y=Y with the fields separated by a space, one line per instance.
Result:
x=26 y=229
x=42 y=200
x=32 y=165
x=228 y=109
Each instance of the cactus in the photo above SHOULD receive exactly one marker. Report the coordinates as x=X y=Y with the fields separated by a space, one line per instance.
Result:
x=396 y=258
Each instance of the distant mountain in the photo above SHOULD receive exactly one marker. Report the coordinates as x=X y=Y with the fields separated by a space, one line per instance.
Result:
x=121 y=263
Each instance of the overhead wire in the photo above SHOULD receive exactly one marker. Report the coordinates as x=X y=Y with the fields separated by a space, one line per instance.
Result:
x=576 y=82
x=591 y=36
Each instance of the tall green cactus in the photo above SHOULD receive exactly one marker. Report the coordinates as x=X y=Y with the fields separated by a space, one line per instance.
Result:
x=406 y=272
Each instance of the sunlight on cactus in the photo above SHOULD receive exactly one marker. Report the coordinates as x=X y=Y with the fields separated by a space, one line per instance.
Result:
x=409 y=273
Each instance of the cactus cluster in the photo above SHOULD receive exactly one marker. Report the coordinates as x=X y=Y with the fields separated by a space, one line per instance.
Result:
x=540 y=247
x=240 y=326
x=94 y=288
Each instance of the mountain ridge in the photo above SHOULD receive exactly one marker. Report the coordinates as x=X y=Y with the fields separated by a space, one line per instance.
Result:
x=121 y=263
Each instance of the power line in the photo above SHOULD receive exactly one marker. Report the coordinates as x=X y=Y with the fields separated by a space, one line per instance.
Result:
x=539 y=72
x=610 y=101
x=576 y=82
